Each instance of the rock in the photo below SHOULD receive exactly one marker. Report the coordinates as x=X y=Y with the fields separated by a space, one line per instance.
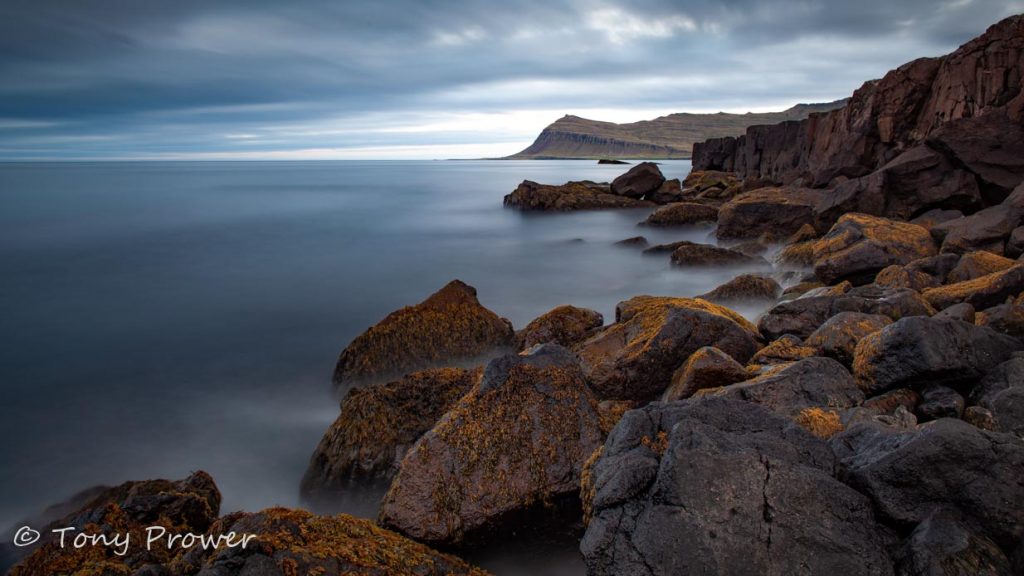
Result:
x=670 y=191
x=936 y=216
x=1006 y=318
x=787 y=348
x=634 y=358
x=977 y=264
x=920 y=351
x=184 y=506
x=691 y=254
x=1015 y=244
x=838 y=336
x=296 y=542
x=987 y=229
x=821 y=423
x=800 y=289
x=634 y=242
x=724 y=487
x=984 y=292
x=939 y=401
x=920 y=274
x=946 y=463
x=778 y=212
x=809 y=383
x=708 y=367
x=611 y=411
x=797 y=254
x=611 y=161
x=585 y=195
x=888 y=402
x=565 y=325
x=639 y=181
x=377 y=426
x=990 y=146
x=704 y=180
x=980 y=418
x=942 y=544
x=514 y=443
x=1001 y=393
x=682 y=214
x=803 y=315
x=745 y=288
x=859 y=246
x=962 y=311
x=659 y=249
x=447 y=328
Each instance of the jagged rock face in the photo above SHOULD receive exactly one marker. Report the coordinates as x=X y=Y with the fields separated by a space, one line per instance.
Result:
x=448 y=328
x=516 y=442
x=184 y=506
x=888 y=116
x=988 y=229
x=564 y=325
x=377 y=426
x=777 y=212
x=682 y=214
x=859 y=246
x=724 y=487
x=530 y=196
x=639 y=181
x=290 y=542
x=634 y=358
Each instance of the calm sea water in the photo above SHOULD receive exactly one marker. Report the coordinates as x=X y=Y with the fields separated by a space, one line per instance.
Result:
x=159 y=318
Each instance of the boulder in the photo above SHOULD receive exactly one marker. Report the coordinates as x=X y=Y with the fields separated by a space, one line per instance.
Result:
x=977 y=264
x=946 y=463
x=724 y=487
x=1006 y=318
x=691 y=254
x=682 y=214
x=943 y=544
x=838 y=336
x=1001 y=393
x=787 y=348
x=1015 y=244
x=659 y=249
x=814 y=382
x=670 y=191
x=983 y=292
x=888 y=402
x=514 y=447
x=634 y=242
x=859 y=246
x=987 y=229
x=291 y=542
x=980 y=418
x=777 y=212
x=183 y=506
x=936 y=216
x=939 y=401
x=920 y=274
x=447 y=328
x=641 y=180
x=565 y=325
x=634 y=358
x=990 y=146
x=803 y=315
x=377 y=426
x=962 y=311
x=745 y=288
x=920 y=351
x=585 y=195
x=705 y=180
x=708 y=367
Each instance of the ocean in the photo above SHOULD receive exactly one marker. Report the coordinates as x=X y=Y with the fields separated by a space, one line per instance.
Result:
x=164 y=317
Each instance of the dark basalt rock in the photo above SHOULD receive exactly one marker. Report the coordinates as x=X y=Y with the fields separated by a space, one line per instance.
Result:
x=611 y=161
x=977 y=264
x=838 y=337
x=963 y=311
x=1015 y=243
x=641 y=180
x=682 y=214
x=1007 y=318
x=859 y=246
x=943 y=544
x=984 y=292
x=939 y=401
x=921 y=351
x=787 y=348
x=776 y=212
x=724 y=487
x=708 y=367
x=585 y=195
x=988 y=229
x=670 y=191
x=920 y=274
x=634 y=242
x=691 y=254
x=936 y=216
x=1001 y=393
x=745 y=288
x=565 y=325
x=888 y=402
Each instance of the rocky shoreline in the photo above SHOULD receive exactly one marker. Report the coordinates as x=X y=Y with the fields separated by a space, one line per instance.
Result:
x=871 y=421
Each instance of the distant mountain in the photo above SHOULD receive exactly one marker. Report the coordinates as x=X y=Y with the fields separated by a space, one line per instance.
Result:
x=669 y=136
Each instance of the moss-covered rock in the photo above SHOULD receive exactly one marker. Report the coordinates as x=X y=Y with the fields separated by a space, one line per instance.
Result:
x=859 y=246
x=977 y=264
x=694 y=255
x=682 y=214
x=708 y=367
x=565 y=325
x=984 y=292
x=745 y=288
x=585 y=195
x=920 y=274
x=513 y=447
x=777 y=212
x=786 y=348
x=449 y=327
x=838 y=336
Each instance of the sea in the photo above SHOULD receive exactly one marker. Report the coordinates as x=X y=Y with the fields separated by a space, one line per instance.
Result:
x=158 y=318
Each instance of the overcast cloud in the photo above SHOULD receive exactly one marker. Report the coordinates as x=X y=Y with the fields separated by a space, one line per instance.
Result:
x=397 y=79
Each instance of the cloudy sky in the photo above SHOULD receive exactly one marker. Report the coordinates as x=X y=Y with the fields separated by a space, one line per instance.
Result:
x=426 y=79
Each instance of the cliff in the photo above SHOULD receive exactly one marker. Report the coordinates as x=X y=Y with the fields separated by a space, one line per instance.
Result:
x=669 y=136
x=942 y=103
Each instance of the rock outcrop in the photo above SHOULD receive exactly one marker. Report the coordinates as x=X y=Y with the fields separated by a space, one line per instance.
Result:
x=859 y=246
x=585 y=195
x=638 y=181
x=449 y=327
x=775 y=212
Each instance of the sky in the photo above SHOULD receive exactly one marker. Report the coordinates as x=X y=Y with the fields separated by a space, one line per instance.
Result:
x=330 y=79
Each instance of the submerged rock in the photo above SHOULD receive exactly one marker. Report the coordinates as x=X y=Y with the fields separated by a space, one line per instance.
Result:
x=585 y=195
x=449 y=327
x=565 y=325
x=682 y=214
x=691 y=254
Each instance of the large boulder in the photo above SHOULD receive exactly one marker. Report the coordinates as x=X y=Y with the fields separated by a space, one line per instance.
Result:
x=1001 y=392
x=585 y=195
x=724 y=487
x=513 y=445
x=377 y=426
x=565 y=325
x=919 y=351
x=447 y=328
x=809 y=383
x=682 y=214
x=745 y=288
x=183 y=506
x=694 y=255
x=990 y=146
x=839 y=335
x=1006 y=318
x=982 y=292
x=946 y=463
x=708 y=367
x=977 y=264
x=803 y=315
x=776 y=212
x=859 y=246
x=634 y=358
x=290 y=542
x=920 y=274
x=986 y=229
x=641 y=180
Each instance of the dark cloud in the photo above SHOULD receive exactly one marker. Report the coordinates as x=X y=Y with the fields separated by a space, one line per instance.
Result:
x=127 y=78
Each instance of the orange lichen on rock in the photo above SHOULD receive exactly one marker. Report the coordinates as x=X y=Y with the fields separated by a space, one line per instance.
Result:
x=821 y=423
x=565 y=325
x=859 y=246
x=587 y=487
x=983 y=292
